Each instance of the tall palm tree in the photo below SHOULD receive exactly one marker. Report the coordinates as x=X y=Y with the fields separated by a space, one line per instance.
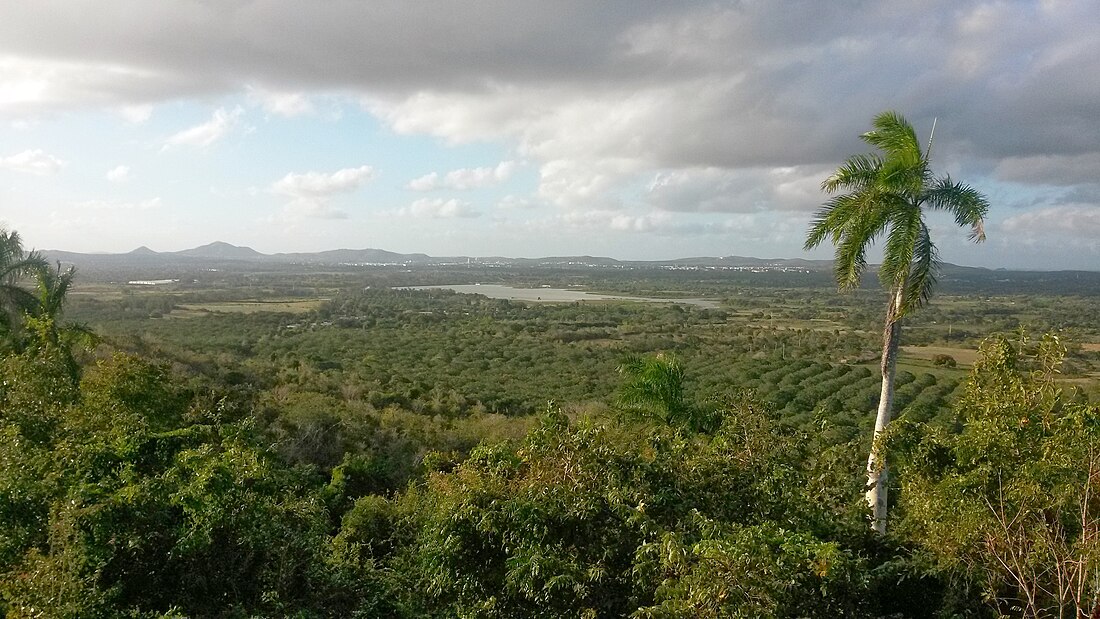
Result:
x=889 y=193
x=15 y=266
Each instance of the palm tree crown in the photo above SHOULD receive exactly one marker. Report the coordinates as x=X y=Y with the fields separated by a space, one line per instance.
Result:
x=888 y=193
x=654 y=384
x=15 y=265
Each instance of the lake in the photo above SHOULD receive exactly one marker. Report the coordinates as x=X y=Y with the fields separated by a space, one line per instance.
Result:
x=556 y=295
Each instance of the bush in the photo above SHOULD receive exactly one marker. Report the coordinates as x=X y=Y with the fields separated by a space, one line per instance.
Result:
x=944 y=360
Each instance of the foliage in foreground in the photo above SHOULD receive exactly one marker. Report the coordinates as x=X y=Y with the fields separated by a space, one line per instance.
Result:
x=126 y=494
x=1013 y=500
x=613 y=521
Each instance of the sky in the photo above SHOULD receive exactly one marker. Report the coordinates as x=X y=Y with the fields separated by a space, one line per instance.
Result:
x=634 y=129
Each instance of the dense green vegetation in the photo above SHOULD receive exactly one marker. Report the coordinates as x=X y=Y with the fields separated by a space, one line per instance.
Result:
x=394 y=453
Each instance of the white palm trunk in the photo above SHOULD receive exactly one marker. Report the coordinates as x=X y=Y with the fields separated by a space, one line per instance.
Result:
x=876 y=462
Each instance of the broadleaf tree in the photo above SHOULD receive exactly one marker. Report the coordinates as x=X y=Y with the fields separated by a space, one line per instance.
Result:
x=1010 y=501
x=888 y=194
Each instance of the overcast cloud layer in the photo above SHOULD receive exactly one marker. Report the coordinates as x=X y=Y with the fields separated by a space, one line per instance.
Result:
x=627 y=128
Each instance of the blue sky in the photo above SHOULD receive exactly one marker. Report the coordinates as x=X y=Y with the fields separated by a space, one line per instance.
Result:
x=632 y=129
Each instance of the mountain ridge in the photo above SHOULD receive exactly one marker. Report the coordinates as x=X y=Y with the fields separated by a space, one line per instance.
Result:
x=223 y=252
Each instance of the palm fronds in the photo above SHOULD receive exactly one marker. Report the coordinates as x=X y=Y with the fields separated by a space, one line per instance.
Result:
x=885 y=194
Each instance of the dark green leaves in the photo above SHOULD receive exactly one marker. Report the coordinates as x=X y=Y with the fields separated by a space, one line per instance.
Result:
x=968 y=206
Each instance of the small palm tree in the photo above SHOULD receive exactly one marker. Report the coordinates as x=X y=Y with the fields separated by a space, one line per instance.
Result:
x=51 y=288
x=655 y=384
x=654 y=388
x=888 y=193
x=15 y=266
x=42 y=323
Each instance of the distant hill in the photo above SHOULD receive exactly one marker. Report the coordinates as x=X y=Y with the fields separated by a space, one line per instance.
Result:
x=145 y=263
x=219 y=252
x=354 y=256
x=222 y=251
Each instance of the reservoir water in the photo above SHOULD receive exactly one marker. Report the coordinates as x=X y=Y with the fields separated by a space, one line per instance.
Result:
x=556 y=295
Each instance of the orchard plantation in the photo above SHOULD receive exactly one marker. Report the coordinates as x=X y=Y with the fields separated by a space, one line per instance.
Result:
x=258 y=440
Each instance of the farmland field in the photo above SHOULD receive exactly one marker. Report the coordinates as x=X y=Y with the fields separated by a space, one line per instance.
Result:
x=295 y=306
x=362 y=340
x=964 y=356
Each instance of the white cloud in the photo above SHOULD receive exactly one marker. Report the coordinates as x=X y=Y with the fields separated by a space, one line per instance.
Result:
x=513 y=202
x=311 y=193
x=136 y=114
x=285 y=104
x=465 y=178
x=438 y=208
x=208 y=132
x=32 y=162
x=119 y=206
x=119 y=174
x=1051 y=237
x=427 y=182
x=1051 y=169
x=660 y=223
x=1076 y=225
x=31 y=85
x=475 y=178
x=650 y=222
x=585 y=183
x=707 y=189
x=586 y=143
x=323 y=185
x=591 y=143
x=732 y=191
x=297 y=210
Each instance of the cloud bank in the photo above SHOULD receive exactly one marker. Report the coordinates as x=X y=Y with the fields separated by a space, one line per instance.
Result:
x=663 y=116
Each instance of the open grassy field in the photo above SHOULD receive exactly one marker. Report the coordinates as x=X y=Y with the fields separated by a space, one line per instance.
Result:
x=963 y=356
x=289 y=306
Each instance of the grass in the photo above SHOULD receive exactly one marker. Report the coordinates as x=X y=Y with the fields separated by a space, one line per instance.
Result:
x=963 y=356
x=248 y=307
